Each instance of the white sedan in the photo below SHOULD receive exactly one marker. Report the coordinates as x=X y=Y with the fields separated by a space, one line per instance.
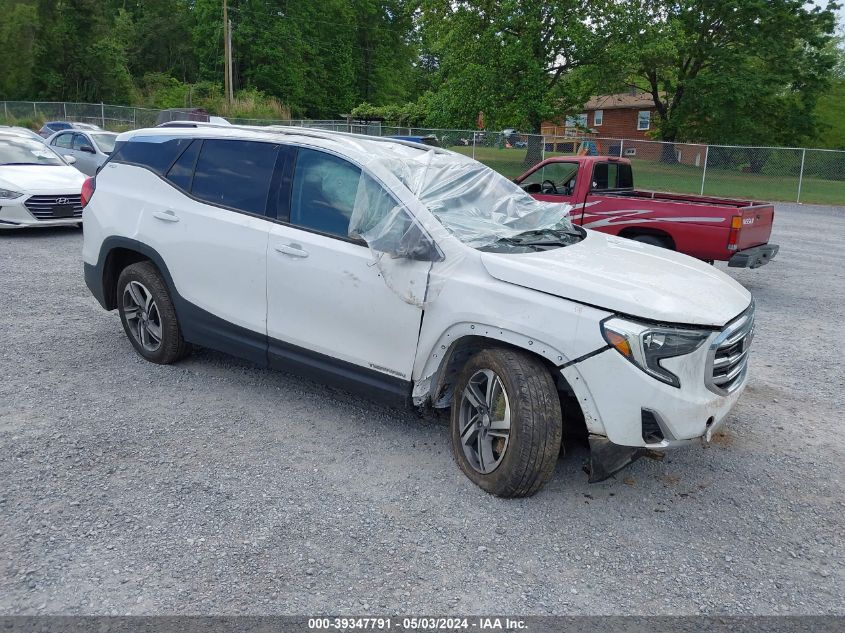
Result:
x=37 y=186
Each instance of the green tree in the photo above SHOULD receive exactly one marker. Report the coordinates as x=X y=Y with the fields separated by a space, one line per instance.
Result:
x=18 y=30
x=733 y=71
x=507 y=58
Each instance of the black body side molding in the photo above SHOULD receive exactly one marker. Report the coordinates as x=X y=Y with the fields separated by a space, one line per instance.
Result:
x=204 y=329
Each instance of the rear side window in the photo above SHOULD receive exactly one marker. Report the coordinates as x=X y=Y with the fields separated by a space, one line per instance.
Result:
x=612 y=176
x=182 y=172
x=156 y=153
x=235 y=174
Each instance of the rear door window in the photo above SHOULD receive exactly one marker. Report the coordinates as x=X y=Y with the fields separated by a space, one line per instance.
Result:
x=235 y=174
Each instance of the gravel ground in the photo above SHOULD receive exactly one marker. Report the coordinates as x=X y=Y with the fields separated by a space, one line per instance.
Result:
x=213 y=486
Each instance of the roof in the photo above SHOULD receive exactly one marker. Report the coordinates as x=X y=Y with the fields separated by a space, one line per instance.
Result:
x=620 y=100
x=361 y=148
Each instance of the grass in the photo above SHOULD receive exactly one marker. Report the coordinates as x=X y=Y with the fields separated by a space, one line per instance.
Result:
x=687 y=179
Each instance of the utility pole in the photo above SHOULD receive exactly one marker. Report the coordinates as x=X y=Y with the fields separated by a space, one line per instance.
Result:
x=227 y=46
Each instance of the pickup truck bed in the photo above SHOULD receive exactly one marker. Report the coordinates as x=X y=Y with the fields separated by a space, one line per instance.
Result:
x=600 y=190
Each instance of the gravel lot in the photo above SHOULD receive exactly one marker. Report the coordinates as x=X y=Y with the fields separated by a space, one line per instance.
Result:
x=213 y=486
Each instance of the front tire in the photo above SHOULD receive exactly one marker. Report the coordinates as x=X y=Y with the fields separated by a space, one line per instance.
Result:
x=506 y=422
x=148 y=316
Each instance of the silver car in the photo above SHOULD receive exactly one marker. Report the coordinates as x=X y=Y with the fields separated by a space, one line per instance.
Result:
x=90 y=148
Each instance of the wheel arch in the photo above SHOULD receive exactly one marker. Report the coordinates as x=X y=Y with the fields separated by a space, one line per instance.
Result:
x=634 y=231
x=117 y=253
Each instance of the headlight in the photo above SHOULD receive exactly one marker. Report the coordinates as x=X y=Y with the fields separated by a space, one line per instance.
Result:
x=646 y=345
x=5 y=194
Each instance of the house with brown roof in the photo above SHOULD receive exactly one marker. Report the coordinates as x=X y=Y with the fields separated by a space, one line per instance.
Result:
x=628 y=115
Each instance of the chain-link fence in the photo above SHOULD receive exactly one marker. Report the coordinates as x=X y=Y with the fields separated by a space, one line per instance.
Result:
x=814 y=176
x=756 y=173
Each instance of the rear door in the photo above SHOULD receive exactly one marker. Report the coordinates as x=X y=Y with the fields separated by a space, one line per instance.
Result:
x=211 y=228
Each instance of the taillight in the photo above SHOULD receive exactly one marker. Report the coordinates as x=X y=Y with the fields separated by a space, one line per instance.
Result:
x=88 y=188
x=733 y=237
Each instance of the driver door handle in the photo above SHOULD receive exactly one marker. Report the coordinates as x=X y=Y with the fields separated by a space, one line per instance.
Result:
x=294 y=250
x=166 y=216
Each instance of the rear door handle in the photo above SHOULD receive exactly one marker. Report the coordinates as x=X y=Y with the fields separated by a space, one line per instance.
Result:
x=166 y=216
x=294 y=250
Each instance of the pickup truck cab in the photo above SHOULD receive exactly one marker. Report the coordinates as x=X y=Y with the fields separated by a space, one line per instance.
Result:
x=601 y=192
x=417 y=275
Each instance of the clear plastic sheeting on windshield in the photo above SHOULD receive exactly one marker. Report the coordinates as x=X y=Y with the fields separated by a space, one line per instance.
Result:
x=477 y=205
x=473 y=203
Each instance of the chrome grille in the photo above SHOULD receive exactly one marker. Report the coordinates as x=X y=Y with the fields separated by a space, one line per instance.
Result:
x=727 y=360
x=42 y=206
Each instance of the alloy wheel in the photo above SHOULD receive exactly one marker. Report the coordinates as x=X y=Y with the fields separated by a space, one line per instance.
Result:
x=485 y=421
x=142 y=316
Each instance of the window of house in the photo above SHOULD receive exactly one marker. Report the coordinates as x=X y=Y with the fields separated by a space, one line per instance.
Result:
x=579 y=120
x=235 y=174
x=598 y=117
x=644 y=120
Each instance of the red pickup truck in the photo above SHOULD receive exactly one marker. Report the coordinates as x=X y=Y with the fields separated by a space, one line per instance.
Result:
x=601 y=192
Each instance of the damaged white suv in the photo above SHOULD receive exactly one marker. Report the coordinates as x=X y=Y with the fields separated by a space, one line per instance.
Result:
x=416 y=274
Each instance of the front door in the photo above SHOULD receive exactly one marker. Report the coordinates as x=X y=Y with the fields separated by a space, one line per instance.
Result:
x=86 y=161
x=329 y=308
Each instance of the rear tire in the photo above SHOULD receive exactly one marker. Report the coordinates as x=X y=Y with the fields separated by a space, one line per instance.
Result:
x=654 y=240
x=148 y=315
x=506 y=422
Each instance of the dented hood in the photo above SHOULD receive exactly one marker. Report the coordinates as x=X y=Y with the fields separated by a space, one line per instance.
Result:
x=629 y=277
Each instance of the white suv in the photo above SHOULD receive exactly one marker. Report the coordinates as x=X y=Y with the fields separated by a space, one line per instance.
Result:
x=415 y=274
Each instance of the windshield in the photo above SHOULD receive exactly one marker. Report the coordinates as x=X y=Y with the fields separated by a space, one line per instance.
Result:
x=25 y=151
x=481 y=207
x=105 y=142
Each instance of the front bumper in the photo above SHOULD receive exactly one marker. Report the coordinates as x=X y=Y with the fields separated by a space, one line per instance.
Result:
x=754 y=257
x=621 y=402
x=15 y=215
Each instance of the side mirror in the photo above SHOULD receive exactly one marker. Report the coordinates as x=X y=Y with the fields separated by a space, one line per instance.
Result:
x=87 y=149
x=70 y=160
x=414 y=245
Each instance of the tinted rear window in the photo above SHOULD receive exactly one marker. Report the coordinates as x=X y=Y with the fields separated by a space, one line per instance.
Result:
x=154 y=153
x=612 y=176
x=182 y=172
x=235 y=174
